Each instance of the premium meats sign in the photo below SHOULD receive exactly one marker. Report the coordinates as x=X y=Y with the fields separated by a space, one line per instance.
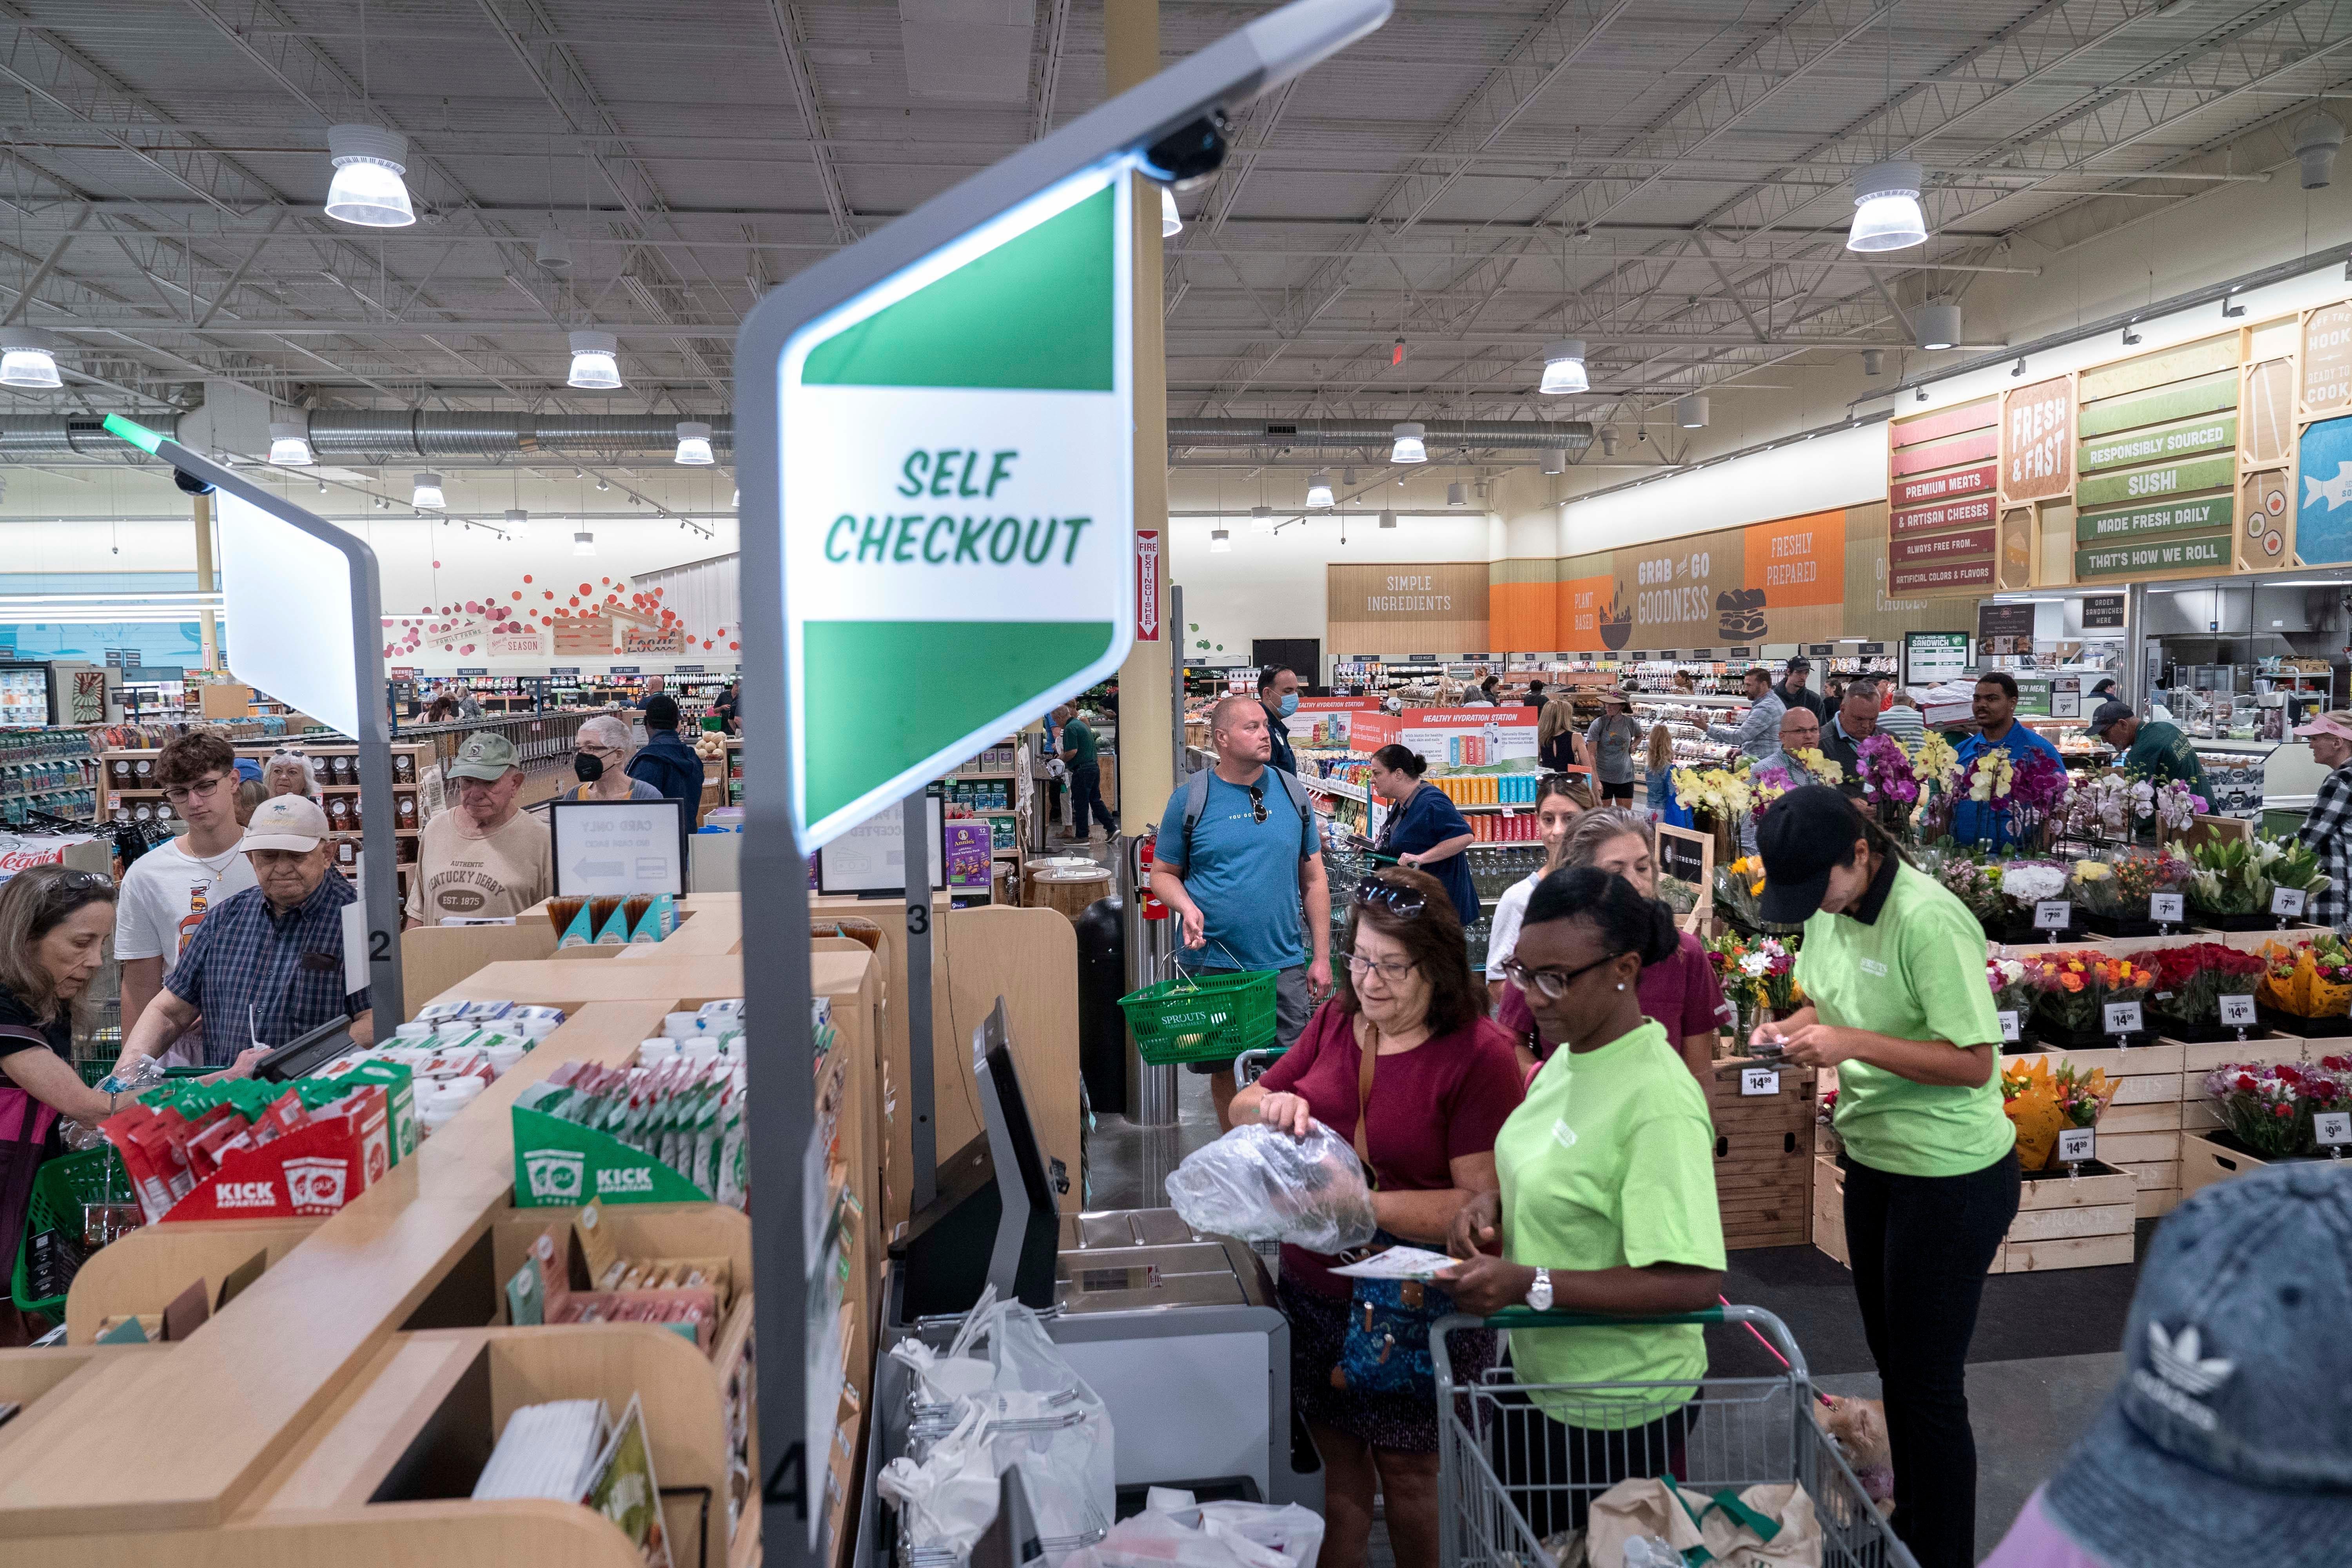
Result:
x=1978 y=480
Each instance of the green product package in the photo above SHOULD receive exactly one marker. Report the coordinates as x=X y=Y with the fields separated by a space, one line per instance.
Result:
x=560 y=1163
x=526 y=1303
x=399 y=1084
x=578 y=933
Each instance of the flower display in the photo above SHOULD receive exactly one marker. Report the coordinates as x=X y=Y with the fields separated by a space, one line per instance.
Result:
x=1886 y=772
x=2237 y=878
x=1989 y=777
x=2042 y=1101
x=1774 y=969
x=2122 y=887
x=2012 y=990
x=2310 y=980
x=2191 y=980
x=2269 y=1108
x=2109 y=805
x=2072 y=989
x=1822 y=770
x=1972 y=883
x=1716 y=790
x=2029 y=882
x=1937 y=770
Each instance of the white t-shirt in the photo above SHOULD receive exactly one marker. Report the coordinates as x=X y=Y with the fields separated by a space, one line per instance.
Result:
x=1502 y=930
x=163 y=898
x=501 y=874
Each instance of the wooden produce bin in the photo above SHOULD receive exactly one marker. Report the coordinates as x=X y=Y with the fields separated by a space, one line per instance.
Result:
x=2197 y=1113
x=2063 y=1222
x=1763 y=1155
x=2140 y=1132
x=2204 y=1161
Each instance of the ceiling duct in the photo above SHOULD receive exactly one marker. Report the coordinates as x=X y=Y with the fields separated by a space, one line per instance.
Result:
x=419 y=433
x=51 y=435
x=1472 y=434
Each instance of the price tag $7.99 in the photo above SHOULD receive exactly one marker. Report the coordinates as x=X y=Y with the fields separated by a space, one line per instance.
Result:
x=2165 y=908
x=2054 y=914
x=2286 y=901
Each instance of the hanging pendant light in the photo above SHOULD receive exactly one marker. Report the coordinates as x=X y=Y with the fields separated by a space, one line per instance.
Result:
x=1938 y=326
x=1406 y=443
x=595 y=362
x=1388 y=519
x=694 y=443
x=1171 y=222
x=1555 y=461
x=1455 y=495
x=1262 y=518
x=1220 y=541
x=1690 y=413
x=289 y=444
x=28 y=358
x=1318 y=489
x=1886 y=211
x=367 y=189
x=517 y=523
x=1563 y=369
x=583 y=543
x=427 y=496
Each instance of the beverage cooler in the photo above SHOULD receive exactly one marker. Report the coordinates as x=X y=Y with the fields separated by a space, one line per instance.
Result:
x=25 y=694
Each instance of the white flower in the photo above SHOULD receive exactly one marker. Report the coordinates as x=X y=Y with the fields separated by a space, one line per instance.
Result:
x=1756 y=963
x=2029 y=884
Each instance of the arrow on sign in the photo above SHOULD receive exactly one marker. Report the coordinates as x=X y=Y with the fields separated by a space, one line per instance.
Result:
x=586 y=868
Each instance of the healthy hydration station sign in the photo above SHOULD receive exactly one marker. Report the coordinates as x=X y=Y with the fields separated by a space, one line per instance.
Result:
x=936 y=439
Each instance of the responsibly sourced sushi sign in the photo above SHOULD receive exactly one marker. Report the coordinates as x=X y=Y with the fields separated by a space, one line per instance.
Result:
x=959 y=494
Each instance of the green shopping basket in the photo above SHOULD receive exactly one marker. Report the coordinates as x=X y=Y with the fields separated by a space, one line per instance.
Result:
x=60 y=1187
x=1207 y=1017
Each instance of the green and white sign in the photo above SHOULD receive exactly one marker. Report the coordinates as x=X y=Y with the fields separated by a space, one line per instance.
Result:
x=2201 y=516
x=2177 y=400
x=958 y=497
x=2165 y=479
x=2208 y=552
x=2188 y=438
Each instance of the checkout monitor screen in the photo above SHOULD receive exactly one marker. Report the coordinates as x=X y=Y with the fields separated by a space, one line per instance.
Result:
x=996 y=1057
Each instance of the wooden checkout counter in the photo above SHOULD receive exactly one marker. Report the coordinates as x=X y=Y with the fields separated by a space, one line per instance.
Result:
x=338 y=1409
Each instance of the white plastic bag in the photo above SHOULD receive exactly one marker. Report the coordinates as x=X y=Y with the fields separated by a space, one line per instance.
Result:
x=1257 y=1184
x=1294 y=1532
x=1070 y=1470
x=950 y=1498
x=954 y=1373
x=1153 y=1540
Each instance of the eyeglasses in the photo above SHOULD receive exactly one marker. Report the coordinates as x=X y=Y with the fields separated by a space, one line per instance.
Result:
x=1551 y=983
x=1257 y=803
x=203 y=789
x=85 y=882
x=1403 y=903
x=1391 y=970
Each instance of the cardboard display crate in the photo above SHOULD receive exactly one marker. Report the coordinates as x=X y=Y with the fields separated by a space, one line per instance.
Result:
x=1763 y=1149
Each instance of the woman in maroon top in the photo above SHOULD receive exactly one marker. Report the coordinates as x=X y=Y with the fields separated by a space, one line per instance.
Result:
x=1443 y=1082
x=1681 y=993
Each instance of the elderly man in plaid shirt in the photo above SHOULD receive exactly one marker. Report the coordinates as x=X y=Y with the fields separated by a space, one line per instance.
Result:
x=2328 y=828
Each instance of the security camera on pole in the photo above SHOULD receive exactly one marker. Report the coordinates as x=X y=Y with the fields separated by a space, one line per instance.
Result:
x=934 y=445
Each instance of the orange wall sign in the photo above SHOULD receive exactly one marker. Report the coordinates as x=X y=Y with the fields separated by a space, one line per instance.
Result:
x=1583 y=606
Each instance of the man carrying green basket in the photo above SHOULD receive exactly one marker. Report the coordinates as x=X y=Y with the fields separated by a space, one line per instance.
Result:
x=1240 y=860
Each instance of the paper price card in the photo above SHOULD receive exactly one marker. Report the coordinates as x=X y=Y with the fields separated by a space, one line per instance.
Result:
x=2286 y=901
x=2122 y=1018
x=2332 y=1128
x=2053 y=914
x=2165 y=908
x=2238 y=1012
x=1760 y=1081
x=2075 y=1143
x=2009 y=1027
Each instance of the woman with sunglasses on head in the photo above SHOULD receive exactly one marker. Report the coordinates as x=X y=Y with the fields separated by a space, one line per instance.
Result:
x=1605 y=1203
x=1403 y=1061
x=1425 y=829
x=1894 y=965
x=1560 y=799
x=1680 y=992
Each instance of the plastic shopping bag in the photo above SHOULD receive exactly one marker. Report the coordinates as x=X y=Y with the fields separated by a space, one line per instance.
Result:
x=1257 y=1184
x=950 y=1498
x=1062 y=1446
x=1763 y=1527
x=954 y=1373
x=1155 y=1539
x=1292 y=1532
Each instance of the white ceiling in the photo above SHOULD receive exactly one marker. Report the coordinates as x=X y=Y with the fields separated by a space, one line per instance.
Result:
x=1666 y=178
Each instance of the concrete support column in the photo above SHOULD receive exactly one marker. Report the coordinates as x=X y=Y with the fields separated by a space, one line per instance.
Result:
x=211 y=626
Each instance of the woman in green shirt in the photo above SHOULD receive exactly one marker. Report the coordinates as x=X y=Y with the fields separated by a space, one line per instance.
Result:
x=1893 y=964
x=1607 y=1205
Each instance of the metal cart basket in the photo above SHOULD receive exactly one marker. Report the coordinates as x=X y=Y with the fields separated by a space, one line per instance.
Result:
x=1747 y=1432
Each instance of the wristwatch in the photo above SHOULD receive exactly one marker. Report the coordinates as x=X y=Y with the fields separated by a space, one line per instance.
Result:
x=1540 y=1293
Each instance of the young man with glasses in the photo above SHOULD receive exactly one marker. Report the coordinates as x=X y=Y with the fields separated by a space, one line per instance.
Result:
x=167 y=891
x=1242 y=868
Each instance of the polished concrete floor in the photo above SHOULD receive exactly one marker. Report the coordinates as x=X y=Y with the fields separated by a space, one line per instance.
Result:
x=2040 y=1364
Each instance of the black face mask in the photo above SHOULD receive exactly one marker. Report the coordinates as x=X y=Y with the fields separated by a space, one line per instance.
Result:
x=587 y=766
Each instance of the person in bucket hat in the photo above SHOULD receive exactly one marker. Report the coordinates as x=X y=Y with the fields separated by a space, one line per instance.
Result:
x=484 y=857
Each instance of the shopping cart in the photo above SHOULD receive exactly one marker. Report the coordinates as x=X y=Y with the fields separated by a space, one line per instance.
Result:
x=1748 y=1432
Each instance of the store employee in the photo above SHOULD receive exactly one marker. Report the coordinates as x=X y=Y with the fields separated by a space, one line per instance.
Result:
x=266 y=965
x=2150 y=749
x=1997 y=725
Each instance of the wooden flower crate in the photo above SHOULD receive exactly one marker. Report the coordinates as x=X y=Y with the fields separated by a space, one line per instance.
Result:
x=2204 y=1161
x=1763 y=1151
x=2063 y=1222
x=2140 y=1133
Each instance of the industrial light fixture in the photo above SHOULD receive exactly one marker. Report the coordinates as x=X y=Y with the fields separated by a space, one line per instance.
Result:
x=583 y=543
x=427 y=496
x=1608 y=443
x=1563 y=369
x=28 y=358
x=1388 y=519
x=1874 y=362
x=2229 y=310
x=553 y=253
x=1171 y=222
x=1318 y=489
x=367 y=189
x=1406 y=443
x=694 y=443
x=1221 y=541
x=1887 y=212
x=1455 y=495
x=1690 y=413
x=595 y=362
x=2316 y=141
x=1262 y=518
x=1347 y=478
x=517 y=523
x=1920 y=395
x=1555 y=461
x=289 y=444
x=1938 y=326
x=2018 y=368
x=2130 y=337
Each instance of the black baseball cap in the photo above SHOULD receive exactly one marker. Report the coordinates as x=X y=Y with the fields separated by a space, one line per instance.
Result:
x=2109 y=714
x=1801 y=835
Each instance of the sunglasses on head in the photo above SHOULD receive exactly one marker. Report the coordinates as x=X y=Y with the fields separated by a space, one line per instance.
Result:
x=1403 y=903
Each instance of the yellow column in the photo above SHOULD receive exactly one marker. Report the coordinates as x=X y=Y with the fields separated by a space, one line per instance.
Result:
x=205 y=580
x=1146 y=750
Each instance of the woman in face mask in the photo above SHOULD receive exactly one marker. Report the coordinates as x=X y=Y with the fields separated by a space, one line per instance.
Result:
x=602 y=753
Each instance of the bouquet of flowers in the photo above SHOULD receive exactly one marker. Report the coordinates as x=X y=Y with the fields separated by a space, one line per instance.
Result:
x=2177 y=808
x=2191 y=980
x=1773 y=970
x=1766 y=785
x=1737 y=888
x=2013 y=989
x=2110 y=805
x=2037 y=782
x=1937 y=770
x=2042 y=1101
x=2025 y=883
x=2072 y=989
x=1725 y=955
x=2310 y=980
x=1973 y=883
x=2120 y=889
x=2269 y=1108
x=2234 y=881
x=1718 y=790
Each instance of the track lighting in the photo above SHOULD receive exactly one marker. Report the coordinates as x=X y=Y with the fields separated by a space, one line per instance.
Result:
x=2018 y=368
x=367 y=189
x=2130 y=337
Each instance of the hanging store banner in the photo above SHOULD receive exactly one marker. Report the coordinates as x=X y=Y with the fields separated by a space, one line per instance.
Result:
x=957 y=494
x=2037 y=432
x=2326 y=360
x=1434 y=607
x=2187 y=438
x=2323 y=526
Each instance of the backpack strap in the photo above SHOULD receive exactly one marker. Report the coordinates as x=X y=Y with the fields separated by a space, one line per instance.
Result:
x=1196 y=801
x=1310 y=841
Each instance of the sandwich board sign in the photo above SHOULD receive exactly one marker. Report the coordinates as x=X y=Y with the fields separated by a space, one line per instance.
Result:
x=934 y=440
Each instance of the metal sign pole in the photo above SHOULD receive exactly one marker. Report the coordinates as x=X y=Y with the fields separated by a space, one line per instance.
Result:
x=1176 y=681
x=880 y=571
x=916 y=855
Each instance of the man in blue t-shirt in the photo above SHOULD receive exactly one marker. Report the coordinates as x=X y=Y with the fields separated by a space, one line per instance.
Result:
x=1249 y=886
x=1997 y=726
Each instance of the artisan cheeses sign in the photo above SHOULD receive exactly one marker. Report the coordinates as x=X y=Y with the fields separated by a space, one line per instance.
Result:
x=1934 y=518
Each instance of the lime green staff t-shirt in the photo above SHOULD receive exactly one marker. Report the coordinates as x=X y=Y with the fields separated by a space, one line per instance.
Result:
x=1610 y=1163
x=1915 y=972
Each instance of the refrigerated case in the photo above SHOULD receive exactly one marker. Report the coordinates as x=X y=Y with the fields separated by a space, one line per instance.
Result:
x=25 y=695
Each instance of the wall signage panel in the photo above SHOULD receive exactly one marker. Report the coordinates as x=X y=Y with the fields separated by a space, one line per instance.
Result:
x=2187 y=438
x=1965 y=546
x=2138 y=522
x=2210 y=552
x=1973 y=447
x=1944 y=578
x=2163 y=479
x=2324 y=517
x=2266 y=541
x=2326 y=360
x=1969 y=513
x=1945 y=486
x=2188 y=362
x=2104 y=612
x=2179 y=400
x=2037 y=456
x=1399 y=609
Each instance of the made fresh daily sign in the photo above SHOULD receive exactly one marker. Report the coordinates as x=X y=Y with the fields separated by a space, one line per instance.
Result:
x=958 y=497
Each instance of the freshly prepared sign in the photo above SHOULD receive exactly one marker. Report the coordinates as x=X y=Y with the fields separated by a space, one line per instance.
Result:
x=1934 y=519
x=2134 y=522
x=1945 y=486
x=2038 y=440
x=2212 y=433
x=2166 y=480
x=957 y=494
x=2160 y=405
x=1962 y=546
x=2210 y=553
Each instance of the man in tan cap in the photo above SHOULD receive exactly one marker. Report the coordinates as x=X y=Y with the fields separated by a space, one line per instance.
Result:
x=2328 y=828
x=483 y=856
x=267 y=964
